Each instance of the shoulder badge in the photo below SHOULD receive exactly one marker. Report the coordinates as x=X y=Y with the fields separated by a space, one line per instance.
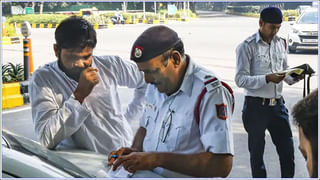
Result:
x=221 y=110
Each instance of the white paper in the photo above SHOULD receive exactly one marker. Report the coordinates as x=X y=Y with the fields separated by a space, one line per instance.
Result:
x=119 y=173
x=289 y=80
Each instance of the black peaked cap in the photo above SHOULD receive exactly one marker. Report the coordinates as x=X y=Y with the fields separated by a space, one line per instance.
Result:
x=153 y=42
x=271 y=15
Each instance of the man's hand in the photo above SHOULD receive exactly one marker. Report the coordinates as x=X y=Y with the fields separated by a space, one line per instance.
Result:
x=118 y=154
x=299 y=77
x=275 y=77
x=88 y=79
x=137 y=161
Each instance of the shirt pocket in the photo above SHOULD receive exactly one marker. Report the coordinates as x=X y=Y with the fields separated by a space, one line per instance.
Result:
x=280 y=58
x=262 y=62
x=179 y=133
x=149 y=124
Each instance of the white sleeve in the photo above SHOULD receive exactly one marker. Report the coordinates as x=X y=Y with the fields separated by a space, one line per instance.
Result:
x=53 y=123
x=244 y=77
x=128 y=75
x=215 y=121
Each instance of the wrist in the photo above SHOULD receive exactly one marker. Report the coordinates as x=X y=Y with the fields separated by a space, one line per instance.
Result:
x=267 y=79
x=78 y=97
x=159 y=159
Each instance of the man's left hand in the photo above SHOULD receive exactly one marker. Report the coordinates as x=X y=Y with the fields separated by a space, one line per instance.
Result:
x=298 y=78
x=137 y=161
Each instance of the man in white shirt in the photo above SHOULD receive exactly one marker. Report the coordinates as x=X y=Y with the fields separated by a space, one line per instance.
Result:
x=186 y=128
x=259 y=59
x=75 y=102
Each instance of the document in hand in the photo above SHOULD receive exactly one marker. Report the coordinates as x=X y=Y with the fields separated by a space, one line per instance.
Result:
x=292 y=73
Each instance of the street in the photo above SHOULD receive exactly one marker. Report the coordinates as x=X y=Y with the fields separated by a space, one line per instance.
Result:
x=210 y=41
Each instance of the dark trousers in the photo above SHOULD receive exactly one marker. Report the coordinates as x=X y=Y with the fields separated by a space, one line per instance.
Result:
x=257 y=117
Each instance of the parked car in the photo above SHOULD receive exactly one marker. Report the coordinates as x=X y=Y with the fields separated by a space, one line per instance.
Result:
x=301 y=8
x=25 y=158
x=304 y=32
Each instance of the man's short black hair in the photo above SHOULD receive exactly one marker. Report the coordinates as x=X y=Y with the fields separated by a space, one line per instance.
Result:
x=75 y=32
x=305 y=115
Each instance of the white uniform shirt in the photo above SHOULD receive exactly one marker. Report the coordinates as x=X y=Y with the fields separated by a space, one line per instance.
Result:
x=98 y=124
x=183 y=134
x=255 y=59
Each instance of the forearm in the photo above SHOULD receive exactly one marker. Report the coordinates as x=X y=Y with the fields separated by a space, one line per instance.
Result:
x=138 y=139
x=250 y=82
x=204 y=164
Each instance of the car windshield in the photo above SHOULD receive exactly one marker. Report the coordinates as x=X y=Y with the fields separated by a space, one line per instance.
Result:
x=309 y=18
x=30 y=147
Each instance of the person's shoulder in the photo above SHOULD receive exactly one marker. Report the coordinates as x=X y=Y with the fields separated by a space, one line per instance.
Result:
x=250 y=39
x=110 y=60
x=45 y=70
x=106 y=58
x=207 y=79
x=281 y=39
x=248 y=42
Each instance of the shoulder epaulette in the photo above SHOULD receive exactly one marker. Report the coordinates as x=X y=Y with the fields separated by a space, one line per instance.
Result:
x=249 y=39
x=209 y=80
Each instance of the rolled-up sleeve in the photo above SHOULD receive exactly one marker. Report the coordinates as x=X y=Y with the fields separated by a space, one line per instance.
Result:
x=243 y=77
x=53 y=123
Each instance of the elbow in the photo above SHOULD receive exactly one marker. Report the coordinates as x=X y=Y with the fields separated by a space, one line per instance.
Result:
x=222 y=166
x=241 y=80
x=46 y=143
x=238 y=81
x=45 y=140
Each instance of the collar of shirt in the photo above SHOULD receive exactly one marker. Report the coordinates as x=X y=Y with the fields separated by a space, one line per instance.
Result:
x=259 y=38
x=187 y=82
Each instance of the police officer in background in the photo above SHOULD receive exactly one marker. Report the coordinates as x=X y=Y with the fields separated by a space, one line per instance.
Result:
x=259 y=58
x=186 y=127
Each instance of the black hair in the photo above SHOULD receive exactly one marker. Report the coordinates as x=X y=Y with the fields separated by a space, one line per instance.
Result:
x=305 y=115
x=178 y=47
x=75 y=32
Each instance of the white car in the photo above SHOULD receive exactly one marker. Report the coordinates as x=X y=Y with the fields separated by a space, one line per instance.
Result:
x=304 y=33
x=25 y=158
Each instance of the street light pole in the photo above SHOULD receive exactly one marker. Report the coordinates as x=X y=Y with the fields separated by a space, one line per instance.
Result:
x=144 y=10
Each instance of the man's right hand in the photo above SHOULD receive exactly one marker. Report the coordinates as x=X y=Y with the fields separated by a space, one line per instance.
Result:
x=119 y=153
x=88 y=79
x=275 y=77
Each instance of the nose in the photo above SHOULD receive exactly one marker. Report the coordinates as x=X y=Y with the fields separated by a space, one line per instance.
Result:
x=81 y=63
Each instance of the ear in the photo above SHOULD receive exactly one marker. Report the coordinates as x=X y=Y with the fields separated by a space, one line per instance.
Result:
x=56 y=50
x=260 y=22
x=176 y=56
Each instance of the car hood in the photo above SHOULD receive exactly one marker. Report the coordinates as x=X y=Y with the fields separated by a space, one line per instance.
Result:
x=92 y=163
x=306 y=27
x=84 y=163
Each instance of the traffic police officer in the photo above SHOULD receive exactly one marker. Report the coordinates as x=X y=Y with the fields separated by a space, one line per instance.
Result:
x=186 y=127
x=259 y=58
